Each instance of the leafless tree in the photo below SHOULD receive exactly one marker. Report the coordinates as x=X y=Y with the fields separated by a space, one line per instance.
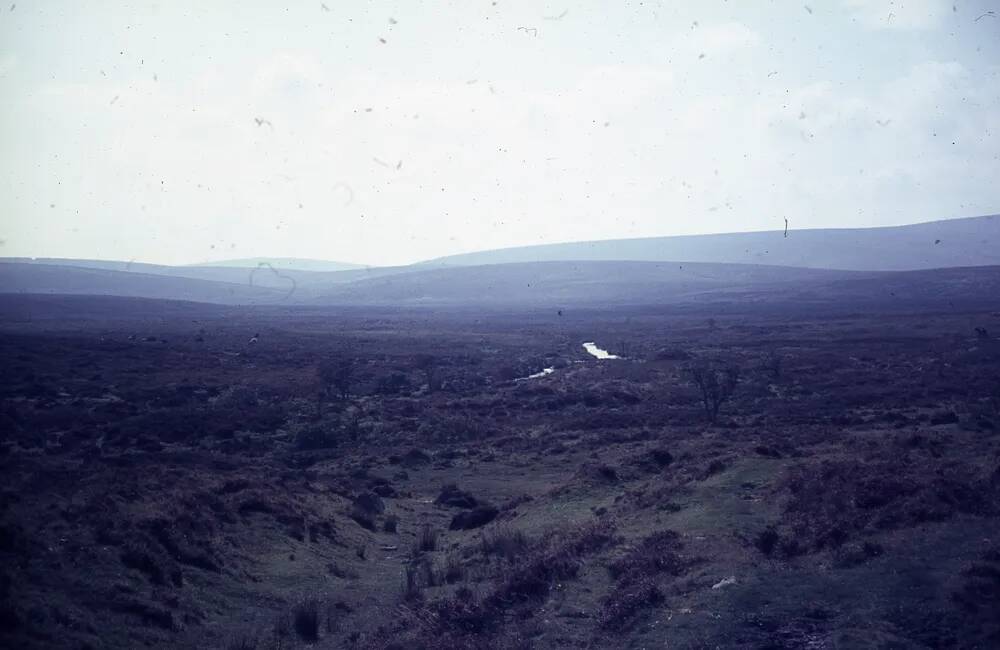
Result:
x=337 y=372
x=772 y=364
x=428 y=364
x=716 y=382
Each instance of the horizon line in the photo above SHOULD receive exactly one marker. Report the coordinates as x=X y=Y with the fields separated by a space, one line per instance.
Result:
x=363 y=266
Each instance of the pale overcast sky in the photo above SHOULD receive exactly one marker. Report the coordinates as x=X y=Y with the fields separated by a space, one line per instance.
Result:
x=389 y=132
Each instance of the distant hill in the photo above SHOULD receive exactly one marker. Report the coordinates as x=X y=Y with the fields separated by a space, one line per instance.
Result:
x=808 y=265
x=285 y=264
x=55 y=279
x=261 y=275
x=596 y=284
x=593 y=284
x=972 y=241
x=610 y=284
x=224 y=285
x=588 y=282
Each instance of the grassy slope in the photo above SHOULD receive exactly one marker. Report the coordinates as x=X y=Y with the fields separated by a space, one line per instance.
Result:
x=936 y=244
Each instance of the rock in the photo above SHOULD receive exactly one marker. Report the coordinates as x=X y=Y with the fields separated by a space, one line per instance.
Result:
x=385 y=491
x=944 y=417
x=654 y=460
x=715 y=467
x=369 y=502
x=415 y=457
x=767 y=452
x=597 y=473
x=475 y=518
x=453 y=497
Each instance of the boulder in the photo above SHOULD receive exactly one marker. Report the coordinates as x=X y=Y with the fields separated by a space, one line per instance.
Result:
x=369 y=502
x=475 y=518
x=453 y=497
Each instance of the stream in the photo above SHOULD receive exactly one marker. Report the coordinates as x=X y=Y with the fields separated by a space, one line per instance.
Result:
x=592 y=348
x=589 y=346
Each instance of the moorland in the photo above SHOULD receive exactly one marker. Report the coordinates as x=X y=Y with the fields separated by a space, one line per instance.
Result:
x=751 y=473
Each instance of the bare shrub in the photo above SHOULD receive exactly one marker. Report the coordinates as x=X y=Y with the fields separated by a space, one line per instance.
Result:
x=338 y=373
x=716 y=382
x=428 y=364
x=772 y=365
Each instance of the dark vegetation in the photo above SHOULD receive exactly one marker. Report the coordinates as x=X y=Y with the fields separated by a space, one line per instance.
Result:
x=337 y=373
x=716 y=382
x=386 y=479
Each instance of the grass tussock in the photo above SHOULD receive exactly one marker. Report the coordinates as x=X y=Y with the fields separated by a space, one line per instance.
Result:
x=506 y=543
x=427 y=540
x=520 y=586
x=637 y=576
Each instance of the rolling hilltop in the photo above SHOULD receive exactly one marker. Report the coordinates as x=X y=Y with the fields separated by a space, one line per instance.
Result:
x=284 y=264
x=812 y=265
x=973 y=241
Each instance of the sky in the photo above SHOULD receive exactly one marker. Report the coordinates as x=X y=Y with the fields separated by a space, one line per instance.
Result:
x=391 y=132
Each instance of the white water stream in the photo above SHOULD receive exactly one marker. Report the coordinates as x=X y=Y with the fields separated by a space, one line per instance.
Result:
x=592 y=348
x=589 y=346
